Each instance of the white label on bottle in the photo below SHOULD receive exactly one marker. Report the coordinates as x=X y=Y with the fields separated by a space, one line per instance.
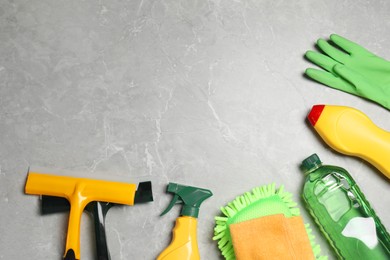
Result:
x=362 y=229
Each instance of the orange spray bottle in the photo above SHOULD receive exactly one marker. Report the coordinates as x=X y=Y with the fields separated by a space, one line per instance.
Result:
x=349 y=131
x=184 y=245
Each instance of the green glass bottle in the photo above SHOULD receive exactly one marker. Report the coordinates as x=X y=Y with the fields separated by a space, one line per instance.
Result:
x=342 y=212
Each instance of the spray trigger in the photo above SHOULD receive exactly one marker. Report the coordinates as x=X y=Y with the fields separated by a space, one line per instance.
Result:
x=171 y=204
x=190 y=197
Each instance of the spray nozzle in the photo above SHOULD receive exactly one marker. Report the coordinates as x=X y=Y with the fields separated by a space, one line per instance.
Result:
x=191 y=197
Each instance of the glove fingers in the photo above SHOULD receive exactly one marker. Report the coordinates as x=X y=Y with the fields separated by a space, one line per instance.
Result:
x=321 y=60
x=346 y=45
x=330 y=80
x=332 y=52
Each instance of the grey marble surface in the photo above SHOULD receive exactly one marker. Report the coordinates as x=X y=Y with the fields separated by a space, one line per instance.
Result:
x=204 y=93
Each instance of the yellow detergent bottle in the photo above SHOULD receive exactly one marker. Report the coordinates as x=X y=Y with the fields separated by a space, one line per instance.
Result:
x=349 y=131
x=184 y=245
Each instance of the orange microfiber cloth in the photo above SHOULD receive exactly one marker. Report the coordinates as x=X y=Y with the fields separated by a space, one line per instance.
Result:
x=271 y=237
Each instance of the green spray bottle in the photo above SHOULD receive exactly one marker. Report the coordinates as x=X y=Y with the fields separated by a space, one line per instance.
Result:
x=342 y=212
x=184 y=245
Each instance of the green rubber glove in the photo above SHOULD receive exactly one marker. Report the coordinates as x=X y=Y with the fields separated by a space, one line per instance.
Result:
x=351 y=68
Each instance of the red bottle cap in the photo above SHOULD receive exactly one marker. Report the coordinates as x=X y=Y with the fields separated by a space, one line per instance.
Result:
x=315 y=114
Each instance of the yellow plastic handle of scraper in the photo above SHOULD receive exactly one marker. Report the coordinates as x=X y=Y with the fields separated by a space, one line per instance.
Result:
x=184 y=245
x=79 y=192
x=349 y=131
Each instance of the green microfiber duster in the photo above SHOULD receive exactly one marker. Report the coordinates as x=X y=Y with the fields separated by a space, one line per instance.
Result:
x=260 y=202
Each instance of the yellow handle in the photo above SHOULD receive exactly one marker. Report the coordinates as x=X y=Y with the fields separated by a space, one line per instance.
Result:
x=351 y=132
x=79 y=192
x=184 y=245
